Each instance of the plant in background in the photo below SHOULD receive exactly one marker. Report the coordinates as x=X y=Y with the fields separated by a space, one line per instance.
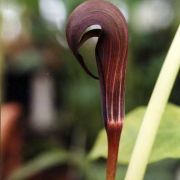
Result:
x=111 y=59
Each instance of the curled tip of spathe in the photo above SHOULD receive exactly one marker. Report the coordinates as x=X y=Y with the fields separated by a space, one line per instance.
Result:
x=111 y=58
x=111 y=50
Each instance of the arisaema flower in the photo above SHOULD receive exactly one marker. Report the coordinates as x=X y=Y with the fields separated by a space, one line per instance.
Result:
x=111 y=58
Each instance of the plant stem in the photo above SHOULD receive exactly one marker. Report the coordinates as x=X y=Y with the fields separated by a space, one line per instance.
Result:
x=113 y=136
x=155 y=109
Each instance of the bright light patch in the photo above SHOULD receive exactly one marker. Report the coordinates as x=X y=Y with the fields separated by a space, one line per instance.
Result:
x=54 y=12
x=152 y=15
x=11 y=23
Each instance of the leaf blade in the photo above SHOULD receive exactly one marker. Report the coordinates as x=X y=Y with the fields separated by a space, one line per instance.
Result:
x=162 y=148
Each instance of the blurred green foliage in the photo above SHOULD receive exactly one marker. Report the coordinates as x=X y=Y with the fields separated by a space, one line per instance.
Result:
x=162 y=148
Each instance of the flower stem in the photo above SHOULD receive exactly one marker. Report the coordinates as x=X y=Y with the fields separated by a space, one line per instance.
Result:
x=155 y=109
x=113 y=136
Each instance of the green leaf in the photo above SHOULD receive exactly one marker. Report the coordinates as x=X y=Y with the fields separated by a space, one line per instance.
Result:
x=161 y=170
x=167 y=143
x=49 y=160
x=43 y=162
